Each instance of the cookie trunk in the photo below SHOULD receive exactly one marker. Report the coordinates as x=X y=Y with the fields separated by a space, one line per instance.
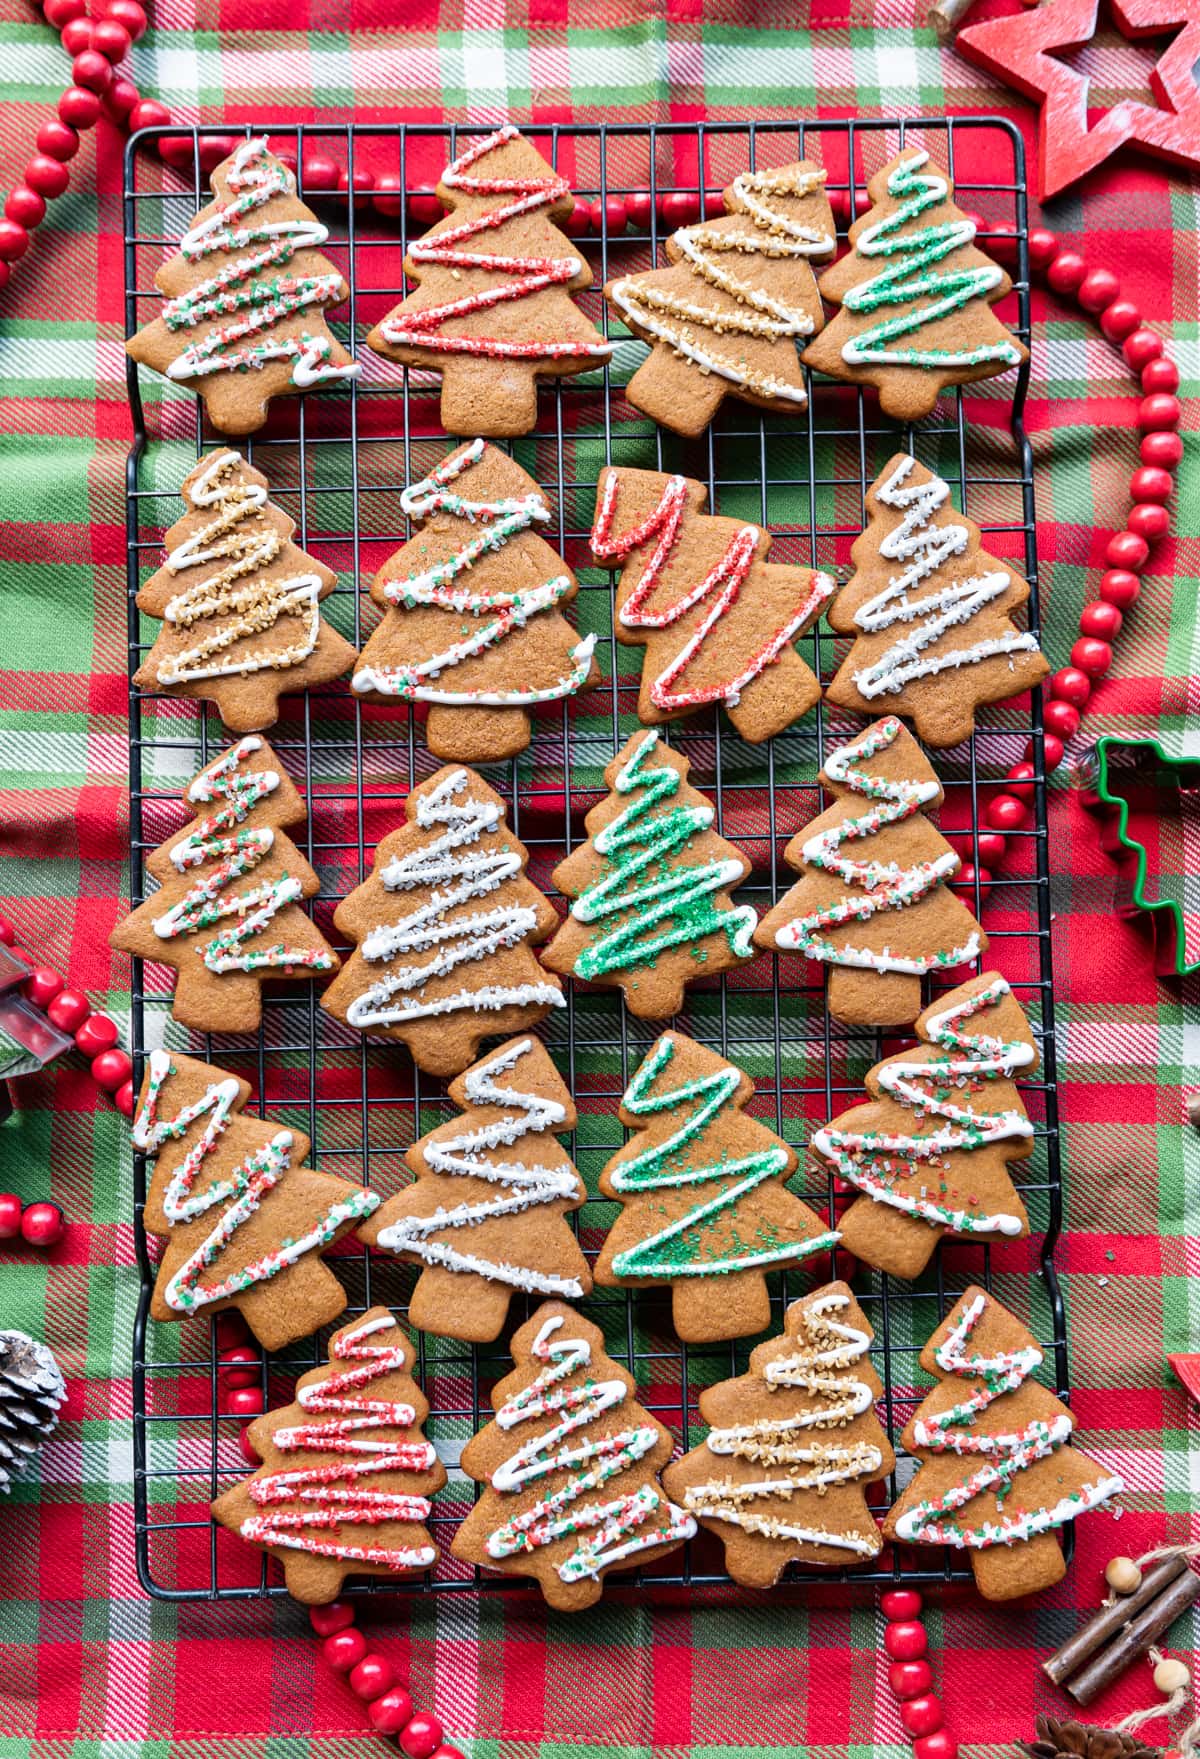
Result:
x=477 y=735
x=885 y=1238
x=493 y=398
x=672 y=391
x=451 y=1305
x=738 y=1306
x=1005 y=1572
x=776 y=698
x=873 y=998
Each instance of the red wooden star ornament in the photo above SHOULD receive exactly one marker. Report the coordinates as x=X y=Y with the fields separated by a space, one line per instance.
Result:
x=1017 y=50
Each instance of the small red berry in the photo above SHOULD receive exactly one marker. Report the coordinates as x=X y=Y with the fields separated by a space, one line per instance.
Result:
x=1098 y=289
x=345 y=1649
x=1092 y=657
x=578 y=223
x=422 y=1737
x=1151 y=483
x=57 y=140
x=111 y=1069
x=364 y=183
x=149 y=113
x=908 y=1679
x=1119 y=319
x=1061 y=719
x=1160 y=374
x=679 y=207
x=241 y=1365
x=25 y=207
x=1005 y=813
x=609 y=214
x=372 y=1677
x=130 y=14
x=425 y=209
x=974 y=881
x=10 y=1216
x=935 y=1746
x=250 y=1453
x=1066 y=272
x=900 y=1603
x=69 y=1010
x=1148 y=521
x=245 y=1401
x=77 y=35
x=14 y=241
x=47 y=176
x=93 y=70
x=1162 y=448
x=1159 y=412
x=1043 y=247
x=41 y=986
x=905 y=1640
x=43 y=1224
x=79 y=108
x=111 y=38
x=390 y=1713
x=320 y=172
x=1140 y=347
x=8 y=933
x=992 y=849
x=61 y=13
x=123 y=1099
x=325 y=1620
x=1101 y=620
x=921 y=1716
x=1119 y=587
x=1020 y=781
x=388 y=195
x=639 y=205
x=98 y=1033
x=1071 y=685
x=1127 y=550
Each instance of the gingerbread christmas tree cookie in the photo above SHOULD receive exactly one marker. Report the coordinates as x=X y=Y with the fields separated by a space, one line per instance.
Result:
x=244 y=316
x=493 y=311
x=873 y=903
x=245 y=1223
x=717 y=620
x=487 y=1214
x=931 y=613
x=739 y=292
x=227 y=914
x=997 y=1475
x=569 y=1467
x=346 y=1474
x=651 y=910
x=915 y=296
x=445 y=929
x=792 y=1446
x=240 y=603
x=706 y=1208
x=930 y=1153
x=473 y=620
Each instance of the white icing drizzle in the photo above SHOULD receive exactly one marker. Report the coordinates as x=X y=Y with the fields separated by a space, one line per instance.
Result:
x=465 y=1156
x=812 y=1367
x=467 y=874
x=560 y=1513
x=925 y=547
x=497 y=613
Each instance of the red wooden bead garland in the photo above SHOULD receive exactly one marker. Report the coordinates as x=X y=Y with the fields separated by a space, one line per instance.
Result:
x=422 y=1736
x=11 y=1209
x=344 y=1650
x=43 y=1224
x=911 y=1677
x=390 y=1713
x=390 y=1709
x=373 y=1676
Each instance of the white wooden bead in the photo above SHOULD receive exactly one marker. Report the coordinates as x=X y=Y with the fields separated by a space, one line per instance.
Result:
x=1122 y=1575
x=1170 y=1676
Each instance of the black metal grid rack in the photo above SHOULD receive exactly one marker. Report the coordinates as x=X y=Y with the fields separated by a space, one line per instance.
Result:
x=337 y=462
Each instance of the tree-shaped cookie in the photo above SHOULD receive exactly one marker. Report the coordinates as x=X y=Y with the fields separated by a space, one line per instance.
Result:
x=930 y=1153
x=915 y=296
x=873 y=904
x=493 y=311
x=244 y=316
x=245 y=1223
x=240 y=602
x=931 y=613
x=725 y=316
x=792 y=1445
x=651 y=910
x=346 y=1474
x=570 y=1468
x=997 y=1475
x=706 y=1208
x=717 y=620
x=487 y=1213
x=445 y=929
x=227 y=914
x=472 y=620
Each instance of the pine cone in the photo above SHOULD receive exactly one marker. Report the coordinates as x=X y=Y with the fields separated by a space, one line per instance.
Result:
x=31 y=1390
x=1078 y=1740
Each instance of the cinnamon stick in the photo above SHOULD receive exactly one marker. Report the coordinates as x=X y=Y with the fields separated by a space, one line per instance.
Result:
x=1108 y=1621
x=1135 y=1638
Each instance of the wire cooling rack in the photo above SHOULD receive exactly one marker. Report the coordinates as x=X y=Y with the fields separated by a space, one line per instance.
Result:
x=337 y=462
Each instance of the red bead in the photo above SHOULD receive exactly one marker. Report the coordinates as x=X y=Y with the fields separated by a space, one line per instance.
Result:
x=1061 y=718
x=57 y=140
x=921 y=1716
x=123 y=1098
x=250 y=1453
x=1151 y=483
x=213 y=149
x=992 y=849
x=98 y=1033
x=446 y=1751
x=1162 y=448
x=908 y=1679
x=320 y=171
x=935 y=1746
x=14 y=241
x=241 y=1365
x=1119 y=319
x=900 y=1603
x=905 y=1641
x=1003 y=242
x=61 y=13
x=1160 y=374
x=1119 y=587
x=1148 y=521
x=974 y=881
x=610 y=213
x=8 y=933
x=1101 y=620
x=1091 y=656
x=1158 y=412
x=245 y=1401
x=47 y=176
x=1125 y=549
x=345 y=1649
x=43 y=1224
x=1043 y=247
x=639 y=206
x=26 y=959
x=1005 y=813
x=390 y=1713
x=25 y=208
x=1019 y=781
x=1066 y=272
x=42 y=986
x=79 y=108
x=93 y=70
x=714 y=204
x=372 y=1677
x=364 y=183
x=1141 y=347
x=422 y=1737
x=77 y=36
x=424 y=208
x=1052 y=750
x=149 y=113
x=325 y=1620
x=679 y=207
x=1098 y=288
x=112 y=39
x=1071 y=685
x=10 y=1216
x=111 y=1069
x=388 y=195
x=69 y=1010
x=578 y=223
x=129 y=13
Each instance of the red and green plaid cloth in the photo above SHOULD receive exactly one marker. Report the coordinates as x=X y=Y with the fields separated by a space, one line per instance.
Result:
x=87 y=1661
